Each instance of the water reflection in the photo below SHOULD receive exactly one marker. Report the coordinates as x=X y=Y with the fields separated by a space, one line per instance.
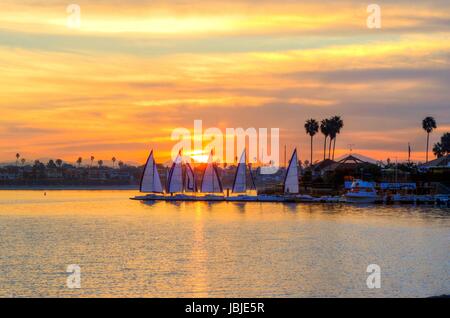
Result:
x=219 y=249
x=199 y=256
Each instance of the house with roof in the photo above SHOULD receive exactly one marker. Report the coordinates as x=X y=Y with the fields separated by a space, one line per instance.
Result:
x=351 y=165
x=437 y=165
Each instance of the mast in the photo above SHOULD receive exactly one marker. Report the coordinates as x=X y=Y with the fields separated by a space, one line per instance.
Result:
x=190 y=184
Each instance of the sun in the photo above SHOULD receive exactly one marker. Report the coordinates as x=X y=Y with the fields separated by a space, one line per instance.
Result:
x=199 y=156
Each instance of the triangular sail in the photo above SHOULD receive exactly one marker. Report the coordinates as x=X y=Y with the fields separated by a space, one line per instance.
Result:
x=211 y=181
x=291 y=179
x=175 y=181
x=240 y=180
x=189 y=181
x=150 y=181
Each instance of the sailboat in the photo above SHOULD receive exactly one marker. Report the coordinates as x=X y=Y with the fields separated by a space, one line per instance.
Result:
x=178 y=182
x=189 y=180
x=291 y=178
x=290 y=184
x=291 y=188
x=150 y=180
x=211 y=181
x=240 y=182
x=175 y=180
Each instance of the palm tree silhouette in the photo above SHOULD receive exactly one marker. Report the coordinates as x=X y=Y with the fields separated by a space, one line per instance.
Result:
x=120 y=164
x=337 y=123
x=92 y=160
x=325 y=130
x=428 y=124
x=100 y=163
x=23 y=160
x=59 y=162
x=442 y=148
x=17 y=158
x=445 y=141
x=438 y=150
x=114 y=161
x=79 y=161
x=332 y=132
x=311 y=128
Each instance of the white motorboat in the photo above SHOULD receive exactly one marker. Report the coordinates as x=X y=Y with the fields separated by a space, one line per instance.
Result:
x=361 y=192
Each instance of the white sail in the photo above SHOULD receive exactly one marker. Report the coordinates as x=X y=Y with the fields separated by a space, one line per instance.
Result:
x=189 y=181
x=150 y=181
x=175 y=181
x=211 y=181
x=240 y=180
x=291 y=179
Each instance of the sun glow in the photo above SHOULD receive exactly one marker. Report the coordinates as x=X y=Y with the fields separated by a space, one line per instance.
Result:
x=200 y=156
x=134 y=71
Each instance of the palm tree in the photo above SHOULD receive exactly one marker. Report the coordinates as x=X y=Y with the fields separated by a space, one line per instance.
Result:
x=79 y=161
x=114 y=161
x=121 y=164
x=59 y=162
x=438 y=150
x=445 y=141
x=325 y=130
x=92 y=160
x=337 y=124
x=442 y=148
x=311 y=128
x=100 y=163
x=428 y=124
x=17 y=158
x=23 y=160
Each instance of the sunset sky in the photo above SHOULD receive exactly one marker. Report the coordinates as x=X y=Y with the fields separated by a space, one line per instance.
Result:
x=137 y=69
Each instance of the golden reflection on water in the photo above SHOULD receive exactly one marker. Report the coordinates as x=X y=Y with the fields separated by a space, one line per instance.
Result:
x=197 y=249
x=199 y=256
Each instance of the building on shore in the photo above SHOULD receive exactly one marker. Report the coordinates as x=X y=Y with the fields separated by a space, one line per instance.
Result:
x=439 y=165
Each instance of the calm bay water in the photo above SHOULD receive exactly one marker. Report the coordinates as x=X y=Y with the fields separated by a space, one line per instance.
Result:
x=195 y=249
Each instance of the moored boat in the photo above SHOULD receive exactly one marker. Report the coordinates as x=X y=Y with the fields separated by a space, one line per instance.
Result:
x=211 y=182
x=361 y=192
x=239 y=188
x=150 y=181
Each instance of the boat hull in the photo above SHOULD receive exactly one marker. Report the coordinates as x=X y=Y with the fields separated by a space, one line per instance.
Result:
x=270 y=198
x=349 y=198
x=242 y=198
